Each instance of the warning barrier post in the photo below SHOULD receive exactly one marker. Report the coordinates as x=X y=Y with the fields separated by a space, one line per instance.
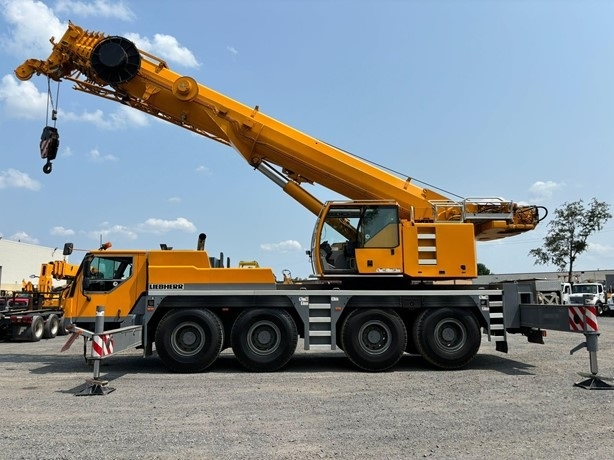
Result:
x=96 y=386
x=584 y=319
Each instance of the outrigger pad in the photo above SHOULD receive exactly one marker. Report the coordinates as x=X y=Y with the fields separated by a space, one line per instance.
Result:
x=594 y=382
x=95 y=388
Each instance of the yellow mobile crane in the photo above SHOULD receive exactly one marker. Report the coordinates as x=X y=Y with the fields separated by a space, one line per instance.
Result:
x=46 y=295
x=375 y=256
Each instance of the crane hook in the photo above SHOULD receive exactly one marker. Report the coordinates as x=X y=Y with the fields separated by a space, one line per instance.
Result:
x=50 y=141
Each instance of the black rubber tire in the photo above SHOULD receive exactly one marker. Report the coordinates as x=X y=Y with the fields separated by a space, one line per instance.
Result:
x=448 y=338
x=189 y=340
x=600 y=309
x=52 y=327
x=37 y=328
x=264 y=340
x=64 y=323
x=374 y=340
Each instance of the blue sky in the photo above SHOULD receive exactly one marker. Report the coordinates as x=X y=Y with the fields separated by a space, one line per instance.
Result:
x=480 y=98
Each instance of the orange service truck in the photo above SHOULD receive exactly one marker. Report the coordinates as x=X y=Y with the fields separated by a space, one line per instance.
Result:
x=392 y=264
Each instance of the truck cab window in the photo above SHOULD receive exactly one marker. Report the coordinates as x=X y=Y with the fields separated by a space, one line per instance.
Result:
x=103 y=274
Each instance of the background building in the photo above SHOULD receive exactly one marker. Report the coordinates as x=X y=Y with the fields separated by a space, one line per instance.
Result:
x=18 y=261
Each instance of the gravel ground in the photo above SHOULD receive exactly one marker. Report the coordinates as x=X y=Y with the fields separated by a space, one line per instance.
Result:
x=519 y=405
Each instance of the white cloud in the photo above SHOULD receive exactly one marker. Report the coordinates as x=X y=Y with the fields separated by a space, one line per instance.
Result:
x=157 y=226
x=13 y=178
x=111 y=230
x=165 y=47
x=61 y=231
x=23 y=237
x=95 y=155
x=174 y=199
x=128 y=116
x=122 y=118
x=284 y=246
x=544 y=190
x=22 y=99
x=162 y=226
x=600 y=249
x=232 y=50
x=203 y=169
x=96 y=8
x=31 y=25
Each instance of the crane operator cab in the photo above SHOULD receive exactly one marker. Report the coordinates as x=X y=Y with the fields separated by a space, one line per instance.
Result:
x=357 y=238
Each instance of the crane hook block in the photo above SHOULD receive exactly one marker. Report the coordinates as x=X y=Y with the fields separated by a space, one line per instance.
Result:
x=116 y=60
x=50 y=142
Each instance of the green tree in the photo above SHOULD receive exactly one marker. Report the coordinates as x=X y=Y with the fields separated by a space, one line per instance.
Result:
x=483 y=269
x=568 y=231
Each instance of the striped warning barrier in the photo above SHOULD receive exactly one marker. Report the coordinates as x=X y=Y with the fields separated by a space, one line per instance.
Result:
x=583 y=319
x=102 y=345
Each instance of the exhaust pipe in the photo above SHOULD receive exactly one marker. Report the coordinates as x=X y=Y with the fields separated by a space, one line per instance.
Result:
x=200 y=246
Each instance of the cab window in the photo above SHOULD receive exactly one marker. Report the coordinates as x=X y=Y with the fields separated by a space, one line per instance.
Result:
x=104 y=274
x=379 y=227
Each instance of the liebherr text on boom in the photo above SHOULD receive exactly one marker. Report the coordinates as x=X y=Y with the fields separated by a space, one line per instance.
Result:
x=391 y=228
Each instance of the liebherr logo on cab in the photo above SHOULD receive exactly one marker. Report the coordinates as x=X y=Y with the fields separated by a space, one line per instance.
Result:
x=165 y=287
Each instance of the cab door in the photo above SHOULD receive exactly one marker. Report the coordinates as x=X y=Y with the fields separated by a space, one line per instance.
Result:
x=378 y=249
x=115 y=281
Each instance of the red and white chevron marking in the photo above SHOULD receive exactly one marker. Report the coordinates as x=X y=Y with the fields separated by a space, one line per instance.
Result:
x=102 y=345
x=44 y=147
x=583 y=319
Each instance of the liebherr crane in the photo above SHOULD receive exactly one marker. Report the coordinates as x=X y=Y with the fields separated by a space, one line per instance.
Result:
x=377 y=257
x=390 y=227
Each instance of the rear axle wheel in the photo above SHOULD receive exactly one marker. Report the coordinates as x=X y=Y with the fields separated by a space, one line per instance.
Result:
x=52 y=326
x=374 y=340
x=447 y=338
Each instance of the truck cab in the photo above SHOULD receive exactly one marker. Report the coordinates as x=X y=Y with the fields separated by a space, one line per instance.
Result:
x=589 y=294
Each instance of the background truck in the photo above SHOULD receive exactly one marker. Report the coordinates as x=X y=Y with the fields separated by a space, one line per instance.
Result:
x=387 y=262
x=589 y=294
x=37 y=312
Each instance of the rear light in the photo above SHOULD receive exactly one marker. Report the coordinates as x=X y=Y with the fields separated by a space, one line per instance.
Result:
x=15 y=319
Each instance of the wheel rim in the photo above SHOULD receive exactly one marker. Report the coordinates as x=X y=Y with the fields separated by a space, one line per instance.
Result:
x=263 y=337
x=450 y=335
x=188 y=339
x=37 y=329
x=374 y=337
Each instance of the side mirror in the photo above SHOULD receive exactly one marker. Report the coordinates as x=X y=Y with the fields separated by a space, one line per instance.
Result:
x=67 y=249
